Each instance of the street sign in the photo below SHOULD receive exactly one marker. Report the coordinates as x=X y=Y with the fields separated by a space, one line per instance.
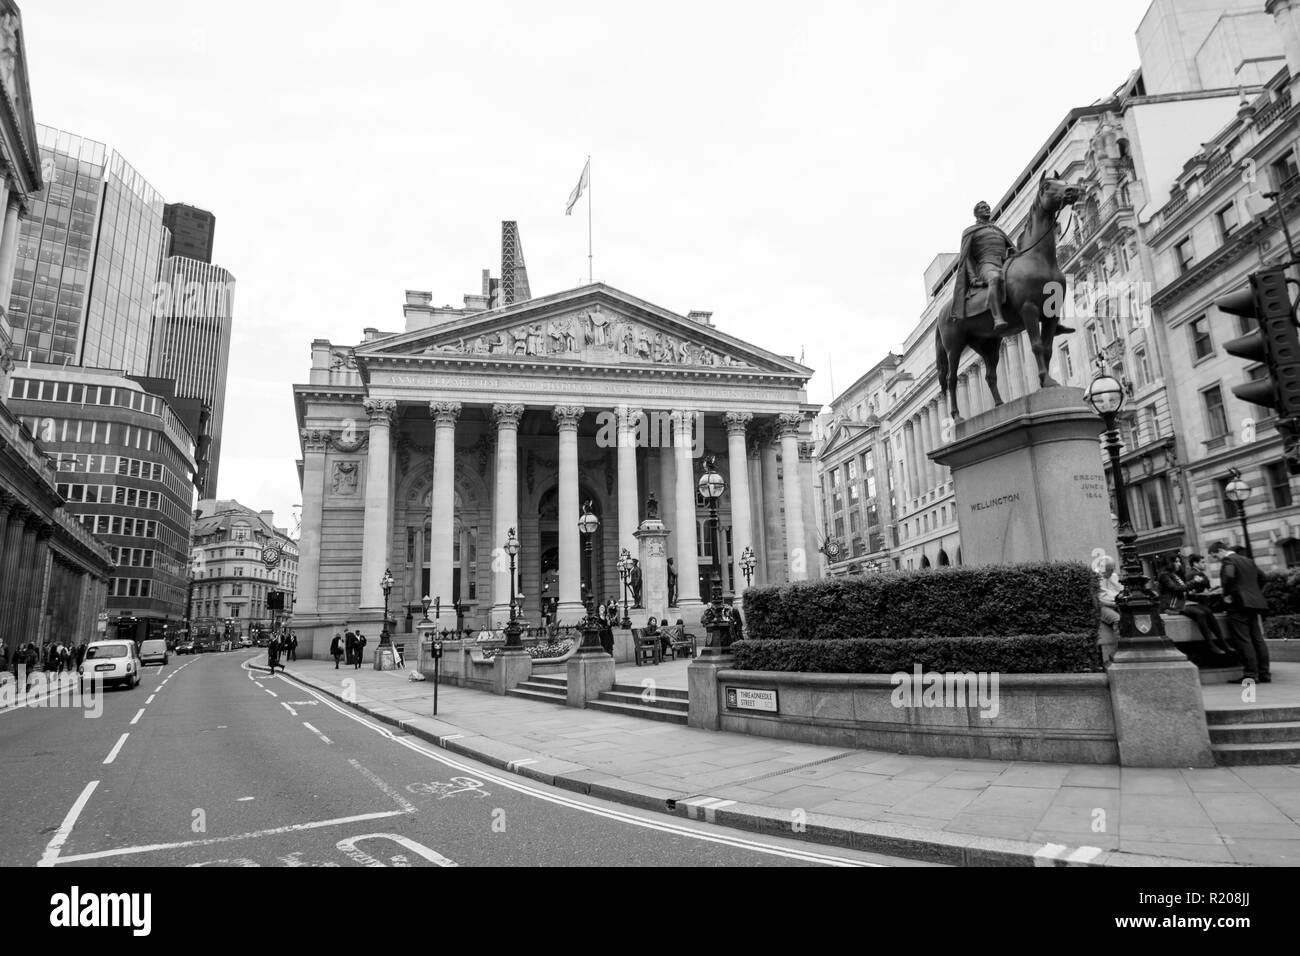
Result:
x=752 y=698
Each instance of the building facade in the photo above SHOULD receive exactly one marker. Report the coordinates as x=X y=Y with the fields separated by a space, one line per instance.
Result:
x=1223 y=221
x=125 y=466
x=190 y=231
x=232 y=586
x=87 y=260
x=423 y=448
x=20 y=164
x=193 y=322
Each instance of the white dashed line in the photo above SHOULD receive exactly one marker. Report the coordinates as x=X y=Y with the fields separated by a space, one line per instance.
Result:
x=288 y=708
x=317 y=732
x=138 y=714
x=151 y=697
x=112 y=754
x=271 y=692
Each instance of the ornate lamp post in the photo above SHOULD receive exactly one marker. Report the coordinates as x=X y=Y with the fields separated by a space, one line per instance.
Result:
x=711 y=486
x=625 y=572
x=1140 y=627
x=387 y=584
x=424 y=603
x=512 y=629
x=1238 y=491
x=587 y=525
x=747 y=563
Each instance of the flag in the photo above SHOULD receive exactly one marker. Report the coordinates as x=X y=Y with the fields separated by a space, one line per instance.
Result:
x=583 y=181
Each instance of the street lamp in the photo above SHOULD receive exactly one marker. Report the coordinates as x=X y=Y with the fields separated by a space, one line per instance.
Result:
x=747 y=564
x=1140 y=627
x=387 y=584
x=711 y=486
x=424 y=603
x=587 y=525
x=512 y=629
x=1238 y=491
x=625 y=572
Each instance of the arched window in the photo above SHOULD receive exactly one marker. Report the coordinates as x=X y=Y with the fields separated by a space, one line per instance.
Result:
x=925 y=562
x=943 y=558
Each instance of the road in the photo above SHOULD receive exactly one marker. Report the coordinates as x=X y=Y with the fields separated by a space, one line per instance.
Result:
x=211 y=763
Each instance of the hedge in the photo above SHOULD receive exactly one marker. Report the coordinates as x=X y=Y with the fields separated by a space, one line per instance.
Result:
x=991 y=601
x=1283 y=627
x=1021 y=654
x=1282 y=590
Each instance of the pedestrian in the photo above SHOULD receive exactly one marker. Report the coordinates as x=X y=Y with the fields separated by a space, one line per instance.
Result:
x=336 y=649
x=361 y=648
x=293 y=646
x=1246 y=604
x=1174 y=593
x=606 y=631
x=273 y=652
x=1107 y=590
x=349 y=645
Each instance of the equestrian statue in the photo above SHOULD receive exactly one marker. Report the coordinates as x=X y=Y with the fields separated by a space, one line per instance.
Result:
x=1000 y=291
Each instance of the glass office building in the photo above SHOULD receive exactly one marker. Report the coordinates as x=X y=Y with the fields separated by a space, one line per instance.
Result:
x=88 y=259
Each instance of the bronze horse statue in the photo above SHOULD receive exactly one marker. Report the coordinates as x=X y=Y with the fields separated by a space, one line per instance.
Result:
x=1035 y=294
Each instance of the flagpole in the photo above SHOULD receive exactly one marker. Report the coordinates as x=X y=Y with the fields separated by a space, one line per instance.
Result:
x=589 y=267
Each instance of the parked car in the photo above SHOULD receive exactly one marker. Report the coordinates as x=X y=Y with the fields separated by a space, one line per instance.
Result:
x=153 y=652
x=112 y=662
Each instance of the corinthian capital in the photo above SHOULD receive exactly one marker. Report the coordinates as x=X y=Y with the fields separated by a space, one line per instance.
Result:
x=444 y=413
x=566 y=416
x=683 y=420
x=737 y=422
x=380 y=410
x=628 y=417
x=507 y=415
x=788 y=424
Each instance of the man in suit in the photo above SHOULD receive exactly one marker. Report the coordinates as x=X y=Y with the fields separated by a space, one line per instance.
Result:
x=1244 y=602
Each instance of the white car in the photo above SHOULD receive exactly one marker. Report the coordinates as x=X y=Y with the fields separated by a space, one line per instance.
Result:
x=111 y=662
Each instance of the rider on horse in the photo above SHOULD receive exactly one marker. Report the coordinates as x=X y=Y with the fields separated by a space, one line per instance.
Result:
x=985 y=248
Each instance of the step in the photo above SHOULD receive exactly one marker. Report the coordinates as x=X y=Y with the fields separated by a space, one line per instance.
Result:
x=1251 y=715
x=548 y=680
x=637 y=710
x=1265 y=732
x=661 y=693
x=532 y=693
x=677 y=705
x=1220 y=675
x=1246 y=755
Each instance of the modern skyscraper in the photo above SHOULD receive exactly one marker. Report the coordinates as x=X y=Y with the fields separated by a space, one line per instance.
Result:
x=191 y=345
x=191 y=230
x=87 y=260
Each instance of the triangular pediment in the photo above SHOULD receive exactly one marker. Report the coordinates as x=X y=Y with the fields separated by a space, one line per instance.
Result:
x=593 y=325
x=844 y=430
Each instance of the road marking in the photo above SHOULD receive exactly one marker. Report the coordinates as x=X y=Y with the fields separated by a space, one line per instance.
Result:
x=138 y=714
x=271 y=692
x=349 y=848
x=397 y=798
x=51 y=854
x=288 y=708
x=151 y=697
x=291 y=828
x=1084 y=854
x=611 y=814
x=453 y=736
x=1046 y=854
x=317 y=732
x=112 y=754
x=242 y=799
x=514 y=764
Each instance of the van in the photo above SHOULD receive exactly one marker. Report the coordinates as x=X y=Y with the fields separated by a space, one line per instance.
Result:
x=153 y=652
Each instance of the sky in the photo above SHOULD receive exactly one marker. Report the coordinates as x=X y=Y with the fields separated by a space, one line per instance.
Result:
x=792 y=168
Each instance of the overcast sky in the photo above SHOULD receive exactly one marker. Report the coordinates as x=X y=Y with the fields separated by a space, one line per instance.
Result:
x=792 y=168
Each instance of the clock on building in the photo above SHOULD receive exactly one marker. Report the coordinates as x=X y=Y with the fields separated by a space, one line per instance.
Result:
x=271 y=555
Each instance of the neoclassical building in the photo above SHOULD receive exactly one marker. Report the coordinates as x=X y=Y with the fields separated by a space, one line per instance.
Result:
x=422 y=449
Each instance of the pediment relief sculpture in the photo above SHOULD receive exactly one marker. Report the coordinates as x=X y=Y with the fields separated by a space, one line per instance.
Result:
x=591 y=335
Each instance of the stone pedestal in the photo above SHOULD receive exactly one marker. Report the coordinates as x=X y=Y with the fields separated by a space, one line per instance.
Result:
x=511 y=667
x=652 y=542
x=589 y=673
x=1159 y=714
x=1029 y=482
x=704 y=704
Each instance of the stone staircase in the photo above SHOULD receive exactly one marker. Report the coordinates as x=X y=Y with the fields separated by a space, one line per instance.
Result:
x=1255 y=736
x=631 y=699
x=552 y=690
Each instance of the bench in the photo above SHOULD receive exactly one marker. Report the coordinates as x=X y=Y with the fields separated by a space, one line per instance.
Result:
x=645 y=647
x=680 y=643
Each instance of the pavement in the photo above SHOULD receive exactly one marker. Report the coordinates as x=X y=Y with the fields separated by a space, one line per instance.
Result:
x=941 y=810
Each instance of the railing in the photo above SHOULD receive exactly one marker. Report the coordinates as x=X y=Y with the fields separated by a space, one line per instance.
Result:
x=1270 y=114
x=1216 y=165
x=535 y=634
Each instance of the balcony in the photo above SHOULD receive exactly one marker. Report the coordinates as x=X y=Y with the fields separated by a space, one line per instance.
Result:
x=1273 y=112
x=1094 y=227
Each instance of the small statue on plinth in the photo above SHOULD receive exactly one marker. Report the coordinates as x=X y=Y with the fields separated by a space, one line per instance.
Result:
x=652 y=508
x=672 y=584
x=636 y=582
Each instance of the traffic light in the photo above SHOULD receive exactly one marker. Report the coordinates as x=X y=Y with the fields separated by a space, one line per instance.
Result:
x=1277 y=345
x=275 y=600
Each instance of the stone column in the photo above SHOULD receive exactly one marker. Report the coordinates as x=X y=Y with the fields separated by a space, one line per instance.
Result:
x=443 y=500
x=8 y=250
x=795 y=539
x=742 y=535
x=41 y=584
x=26 y=574
x=378 y=513
x=757 y=530
x=774 y=528
x=570 y=607
x=628 y=511
x=926 y=443
x=909 y=451
x=506 y=513
x=315 y=442
x=688 y=566
x=11 y=546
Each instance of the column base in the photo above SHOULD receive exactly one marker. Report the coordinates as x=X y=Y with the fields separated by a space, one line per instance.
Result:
x=512 y=666
x=588 y=676
x=705 y=707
